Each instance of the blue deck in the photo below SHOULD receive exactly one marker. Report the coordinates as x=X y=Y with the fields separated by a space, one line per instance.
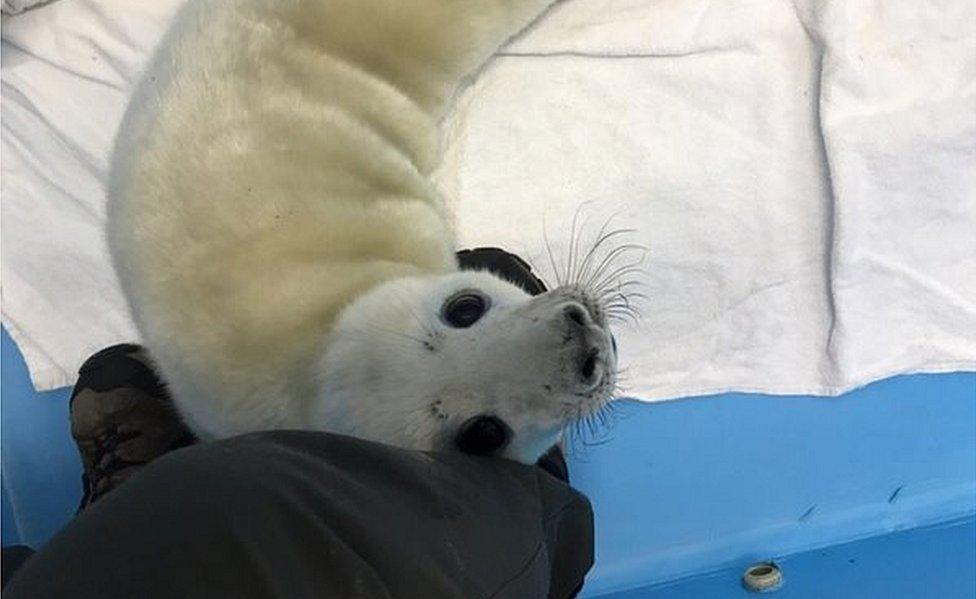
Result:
x=934 y=562
x=692 y=486
x=688 y=493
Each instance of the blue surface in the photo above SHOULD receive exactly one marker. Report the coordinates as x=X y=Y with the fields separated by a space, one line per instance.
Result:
x=695 y=485
x=937 y=562
x=41 y=470
x=694 y=489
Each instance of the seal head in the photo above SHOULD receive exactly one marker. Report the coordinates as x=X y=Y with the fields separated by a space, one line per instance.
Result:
x=465 y=360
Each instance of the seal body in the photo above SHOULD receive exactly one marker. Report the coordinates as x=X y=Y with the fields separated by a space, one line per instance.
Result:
x=270 y=212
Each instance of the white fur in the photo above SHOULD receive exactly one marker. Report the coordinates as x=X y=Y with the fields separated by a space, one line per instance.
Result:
x=395 y=372
x=272 y=173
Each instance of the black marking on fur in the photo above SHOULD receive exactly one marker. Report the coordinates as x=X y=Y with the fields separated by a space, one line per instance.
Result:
x=437 y=409
x=432 y=342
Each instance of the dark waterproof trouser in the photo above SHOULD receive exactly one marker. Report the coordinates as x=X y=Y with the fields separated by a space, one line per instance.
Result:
x=300 y=514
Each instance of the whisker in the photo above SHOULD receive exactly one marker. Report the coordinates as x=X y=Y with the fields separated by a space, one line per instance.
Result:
x=623 y=283
x=608 y=295
x=618 y=297
x=600 y=234
x=602 y=238
x=552 y=258
x=572 y=242
x=623 y=306
x=630 y=286
x=406 y=304
x=614 y=275
x=619 y=251
x=616 y=318
x=625 y=317
x=407 y=341
x=399 y=334
x=607 y=261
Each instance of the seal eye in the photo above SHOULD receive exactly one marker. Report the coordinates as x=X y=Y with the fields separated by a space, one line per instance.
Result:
x=482 y=435
x=462 y=311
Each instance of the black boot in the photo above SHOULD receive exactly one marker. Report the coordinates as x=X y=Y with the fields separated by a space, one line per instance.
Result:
x=121 y=419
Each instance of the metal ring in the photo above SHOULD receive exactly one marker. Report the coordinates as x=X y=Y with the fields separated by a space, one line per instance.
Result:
x=762 y=577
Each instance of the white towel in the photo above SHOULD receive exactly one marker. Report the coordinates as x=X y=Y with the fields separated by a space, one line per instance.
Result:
x=67 y=71
x=13 y=7
x=802 y=174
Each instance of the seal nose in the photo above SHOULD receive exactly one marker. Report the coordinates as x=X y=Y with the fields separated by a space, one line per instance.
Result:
x=588 y=356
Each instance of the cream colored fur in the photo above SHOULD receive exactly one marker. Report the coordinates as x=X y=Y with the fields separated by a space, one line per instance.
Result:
x=272 y=172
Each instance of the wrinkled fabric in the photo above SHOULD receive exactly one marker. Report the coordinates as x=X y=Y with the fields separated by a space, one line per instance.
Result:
x=800 y=173
x=67 y=71
x=299 y=514
x=12 y=7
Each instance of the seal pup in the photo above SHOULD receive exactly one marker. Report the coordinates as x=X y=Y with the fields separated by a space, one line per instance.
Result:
x=286 y=258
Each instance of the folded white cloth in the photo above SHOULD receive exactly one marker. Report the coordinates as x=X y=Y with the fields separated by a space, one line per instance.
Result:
x=801 y=173
x=13 y=7
x=67 y=71
x=804 y=176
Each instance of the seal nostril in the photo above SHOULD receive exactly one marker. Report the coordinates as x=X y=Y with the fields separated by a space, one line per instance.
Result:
x=575 y=313
x=589 y=366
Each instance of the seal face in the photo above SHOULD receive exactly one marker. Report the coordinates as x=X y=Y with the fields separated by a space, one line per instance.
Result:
x=466 y=360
